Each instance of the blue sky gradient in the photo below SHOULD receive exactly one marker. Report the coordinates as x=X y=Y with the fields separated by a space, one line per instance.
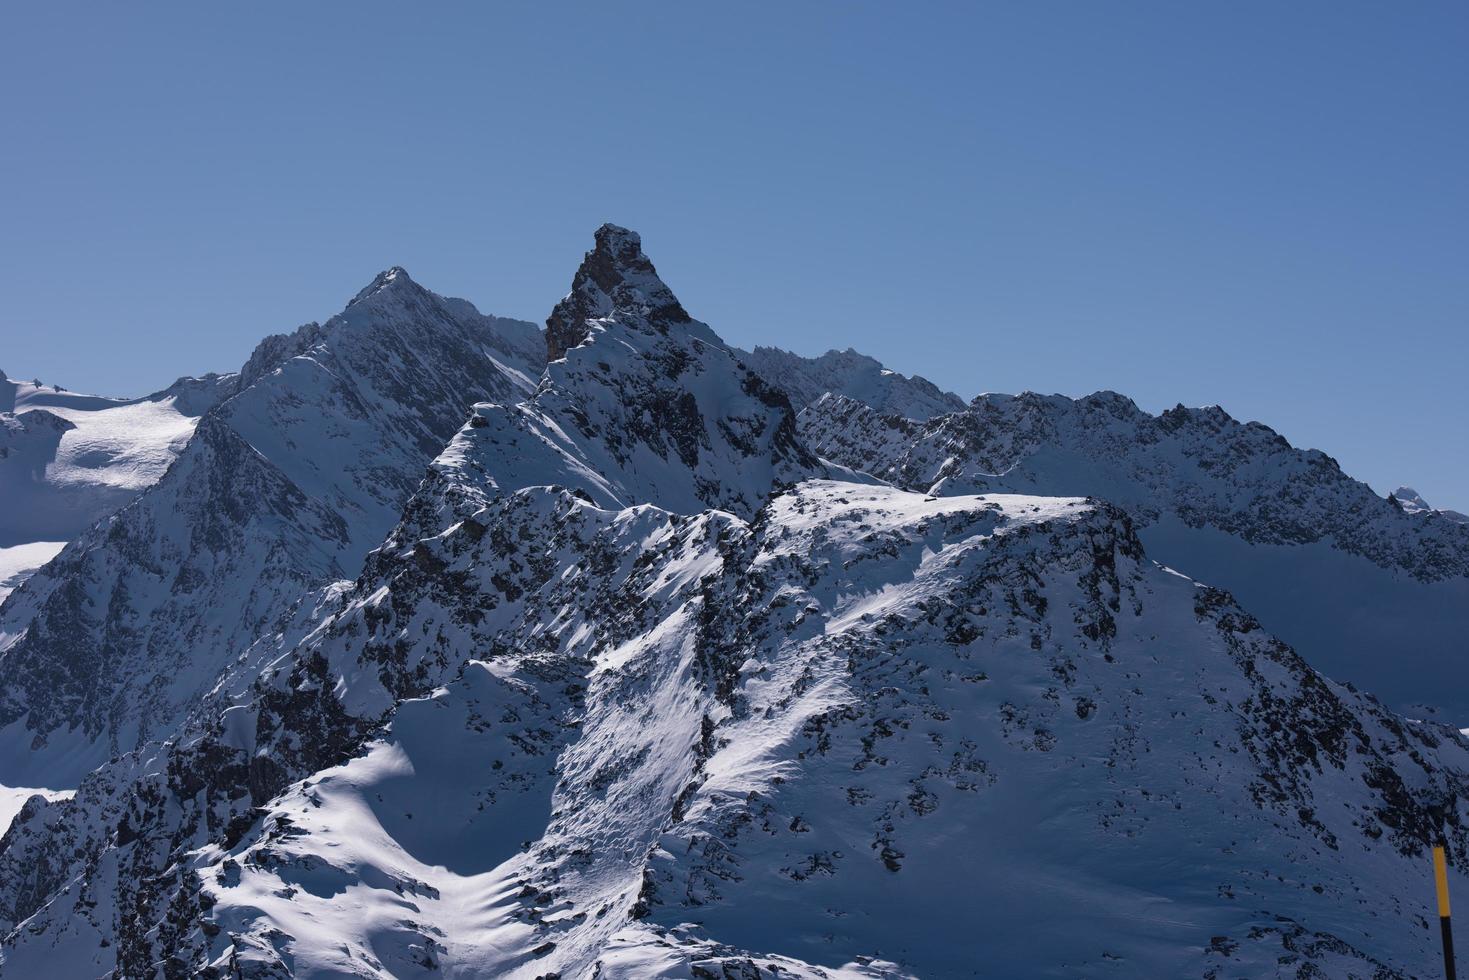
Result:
x=1259 y=205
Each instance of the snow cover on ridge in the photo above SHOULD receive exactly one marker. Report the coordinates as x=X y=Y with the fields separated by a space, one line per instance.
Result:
x=546 y=739
x=13 y=798
x=561 y=726
x=282 y=489
x=68 y=459
x=854 y=375
x=1367 y=592
x=1412 y=502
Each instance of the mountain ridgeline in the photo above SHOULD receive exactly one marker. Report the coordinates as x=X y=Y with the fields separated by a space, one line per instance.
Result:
x=282 y=488
x=1369 y=590
x=451 y=647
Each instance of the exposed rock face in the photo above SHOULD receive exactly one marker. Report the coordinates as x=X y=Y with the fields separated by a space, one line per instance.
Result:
x=614 y=275
x=648 y=406
x=282 y=489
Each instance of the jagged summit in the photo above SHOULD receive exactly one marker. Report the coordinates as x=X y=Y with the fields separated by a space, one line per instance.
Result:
x=616 y=279
x=1410 y=501
x=641 y=404
x=396 y=278
x=619 y=239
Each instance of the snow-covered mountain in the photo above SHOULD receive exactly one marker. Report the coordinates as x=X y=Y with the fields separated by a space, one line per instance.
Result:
x=282 y=488
x=857 y=376
x=1412 y=502
x=640 y=403
x=652 y=690
x=869 y=733
x=1367 y=592
x=67 y=459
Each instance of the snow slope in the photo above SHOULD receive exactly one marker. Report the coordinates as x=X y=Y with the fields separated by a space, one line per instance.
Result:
x=282 y=489
x=869 y=732
x=854 y=375
x=1363 y=589
x=68 y=459
x=18 y=561
x=760 y=727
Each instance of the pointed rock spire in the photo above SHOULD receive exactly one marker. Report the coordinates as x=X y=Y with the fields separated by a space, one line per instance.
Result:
x=615 y=279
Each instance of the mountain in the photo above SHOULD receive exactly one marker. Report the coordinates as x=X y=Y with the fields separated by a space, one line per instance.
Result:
x=1412 y=502
x=1365 y=591
x=640 y=404
x=67 y=459
x=854 y=375
x=631 y=692
x=282 y=489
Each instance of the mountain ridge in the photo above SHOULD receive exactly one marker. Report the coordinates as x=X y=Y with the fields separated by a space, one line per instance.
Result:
x=282 y=488
x=651 y=676
x=1365 y=590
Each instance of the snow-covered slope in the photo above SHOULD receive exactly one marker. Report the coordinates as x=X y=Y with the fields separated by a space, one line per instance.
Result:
x=1365 y=591
x=604 y=706
x=857 y=376
x=68 y=459
x=1412 y=502
x=867 y=733
x=19 y=561
x=282 y=489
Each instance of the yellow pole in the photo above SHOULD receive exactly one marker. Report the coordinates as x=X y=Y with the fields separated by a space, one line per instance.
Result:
x=1441 y=881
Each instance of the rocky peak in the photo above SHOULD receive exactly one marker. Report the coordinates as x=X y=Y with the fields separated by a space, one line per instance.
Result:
x=1410 y=500
x=277 y=348
x=38 y=419
x=390 y=281
x=390 y=290
x=615 y=279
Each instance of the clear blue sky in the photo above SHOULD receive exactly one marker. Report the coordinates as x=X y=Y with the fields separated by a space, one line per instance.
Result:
x=1261 y=205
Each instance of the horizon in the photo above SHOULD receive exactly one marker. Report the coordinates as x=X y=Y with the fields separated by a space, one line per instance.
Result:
x=541 y=325
x=1261 y=209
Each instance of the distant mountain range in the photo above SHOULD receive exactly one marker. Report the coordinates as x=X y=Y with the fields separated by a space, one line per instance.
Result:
x=433 y=643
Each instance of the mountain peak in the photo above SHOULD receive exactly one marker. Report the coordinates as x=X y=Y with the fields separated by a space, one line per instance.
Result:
x=1411 y=500
x=616 y=238
x=393 y=280
x=615 y=279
